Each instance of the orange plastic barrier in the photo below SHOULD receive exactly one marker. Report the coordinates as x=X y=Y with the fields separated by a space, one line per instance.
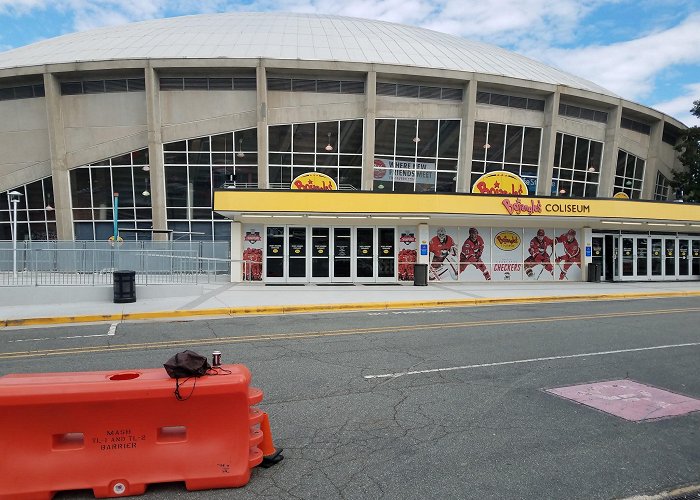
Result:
x=116 y=432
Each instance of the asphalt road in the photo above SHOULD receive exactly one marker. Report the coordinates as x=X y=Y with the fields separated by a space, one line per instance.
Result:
x=429 y=403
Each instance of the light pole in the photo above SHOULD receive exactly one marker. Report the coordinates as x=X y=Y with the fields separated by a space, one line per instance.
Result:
x=14 y=199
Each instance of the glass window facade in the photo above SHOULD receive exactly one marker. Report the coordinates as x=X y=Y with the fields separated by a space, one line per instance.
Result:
x=577 y=162
x=92 y=194
x=416 y=155
x=506 y=147
x=510 y=101
x=22 y=92
x=36 y=217
x=194 y=168
x=629 y=175
x=333 y=148
x=662 y=187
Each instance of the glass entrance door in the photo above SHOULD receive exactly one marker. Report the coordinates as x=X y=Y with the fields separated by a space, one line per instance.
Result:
x=670 y=259
x=642 y=253
x=274 y=254
x=386 y=236
x=296 y=251
x=657 y=258
x=627 y=258
x=683 y=259
x=695 y=255
x=320 y=254
x=342 y=255
x=364 y=262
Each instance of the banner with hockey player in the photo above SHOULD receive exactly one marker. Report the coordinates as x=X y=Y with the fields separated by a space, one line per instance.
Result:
x=252 y=252
x=443 y=255
x=538 y=264
x=568 y=255
x=507 y=254
x=407 y=254
x=475 y=254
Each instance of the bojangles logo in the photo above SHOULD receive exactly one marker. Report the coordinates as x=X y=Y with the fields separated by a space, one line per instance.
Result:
x=507 y=240
x=517 y=207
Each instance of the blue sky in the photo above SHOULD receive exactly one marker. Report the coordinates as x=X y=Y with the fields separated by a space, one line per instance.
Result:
x=647 y=51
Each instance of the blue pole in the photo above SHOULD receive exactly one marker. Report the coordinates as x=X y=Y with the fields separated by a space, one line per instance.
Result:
x=115 y=212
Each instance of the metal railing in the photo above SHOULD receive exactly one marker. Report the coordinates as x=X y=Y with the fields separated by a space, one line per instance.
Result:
x=48 y=263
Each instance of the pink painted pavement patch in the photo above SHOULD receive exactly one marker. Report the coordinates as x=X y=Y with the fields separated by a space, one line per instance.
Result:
x=629 y=399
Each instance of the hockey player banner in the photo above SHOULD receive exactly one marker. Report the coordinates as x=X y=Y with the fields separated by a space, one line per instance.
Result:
x=538 y=264
x=252 y=252
x=475 y=254
x=507 y=254
x=407 y=254
x=443 y=254
x=568 y=255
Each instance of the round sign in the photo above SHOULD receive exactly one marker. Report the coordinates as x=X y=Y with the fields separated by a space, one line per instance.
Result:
x=621 y=195
x=501 y=183
x=507 y=240
x=314 y=181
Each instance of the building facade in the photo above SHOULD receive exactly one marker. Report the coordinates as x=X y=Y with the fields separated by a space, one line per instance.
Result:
x=188 y=118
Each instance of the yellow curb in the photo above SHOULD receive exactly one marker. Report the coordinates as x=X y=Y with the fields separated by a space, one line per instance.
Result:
x=57 y=320
x=219 y=311
x=357 y=306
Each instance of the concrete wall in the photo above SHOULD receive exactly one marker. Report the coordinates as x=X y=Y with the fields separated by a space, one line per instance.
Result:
x=499 y=114
x=24 y=142
x=98 y=126
x=401 y=107
x=299 y=107
x=190 y=113
x=582 y=128
x=635 y=143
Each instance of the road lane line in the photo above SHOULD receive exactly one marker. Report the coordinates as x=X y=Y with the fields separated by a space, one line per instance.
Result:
x=332 y=333
x=531 y=360
x=110 y=333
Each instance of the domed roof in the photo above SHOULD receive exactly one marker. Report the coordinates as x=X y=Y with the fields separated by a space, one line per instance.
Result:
x=288 y=36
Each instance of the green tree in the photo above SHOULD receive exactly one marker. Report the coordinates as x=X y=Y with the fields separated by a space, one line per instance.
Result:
x=688 y=147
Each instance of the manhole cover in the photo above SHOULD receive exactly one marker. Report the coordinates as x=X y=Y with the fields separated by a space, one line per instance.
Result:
x=629 y=399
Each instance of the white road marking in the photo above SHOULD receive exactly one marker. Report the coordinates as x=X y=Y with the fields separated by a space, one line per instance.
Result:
x=110 y=333
x=532 y=360
x=418 y=311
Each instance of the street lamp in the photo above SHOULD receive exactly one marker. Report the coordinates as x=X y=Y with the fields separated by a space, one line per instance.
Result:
x=14 y=199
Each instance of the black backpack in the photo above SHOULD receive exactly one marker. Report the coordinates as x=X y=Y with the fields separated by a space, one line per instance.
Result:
x=186 y=364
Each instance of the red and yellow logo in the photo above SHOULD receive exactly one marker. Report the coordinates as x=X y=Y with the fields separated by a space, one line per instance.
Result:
x=502 y=183
x=621 y=195
x=507 y=240
x=314 y=181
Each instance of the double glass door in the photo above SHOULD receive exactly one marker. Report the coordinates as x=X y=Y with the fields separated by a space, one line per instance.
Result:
x=302 y=254
x=657 y=258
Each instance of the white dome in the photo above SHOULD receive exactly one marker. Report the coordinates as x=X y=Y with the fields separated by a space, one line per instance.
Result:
x=289 y=36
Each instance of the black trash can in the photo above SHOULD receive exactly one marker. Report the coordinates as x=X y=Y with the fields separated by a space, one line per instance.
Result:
x=124 y=286
x=420 y=275
x=594 y=272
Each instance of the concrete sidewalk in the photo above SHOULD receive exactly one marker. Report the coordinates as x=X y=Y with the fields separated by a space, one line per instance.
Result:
x=74 y=304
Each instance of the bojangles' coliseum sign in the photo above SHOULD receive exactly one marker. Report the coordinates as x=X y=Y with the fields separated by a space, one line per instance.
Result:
x=536 y=207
